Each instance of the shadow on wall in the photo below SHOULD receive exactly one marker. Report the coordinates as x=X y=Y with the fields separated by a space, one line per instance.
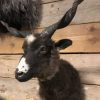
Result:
x=86 y=73
x=1 y=98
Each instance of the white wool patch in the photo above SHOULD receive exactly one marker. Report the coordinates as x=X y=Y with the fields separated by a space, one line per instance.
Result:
x=23 y=66
x=30 y=38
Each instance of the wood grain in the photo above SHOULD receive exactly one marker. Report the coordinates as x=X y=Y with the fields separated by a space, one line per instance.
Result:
x=85 y=37
x=11 y=89
x=50 y=1
x=87 y=64
x=10 y=45
x=87 y=12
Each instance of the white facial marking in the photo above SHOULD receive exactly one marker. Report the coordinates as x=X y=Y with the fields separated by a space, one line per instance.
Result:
x=23 y=66
x=30 y=38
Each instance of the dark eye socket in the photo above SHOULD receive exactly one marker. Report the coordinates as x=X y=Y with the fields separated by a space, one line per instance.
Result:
x=43 y=50
x=27 y=49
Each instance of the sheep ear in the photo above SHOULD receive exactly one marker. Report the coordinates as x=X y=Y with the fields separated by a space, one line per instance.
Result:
x=62 y=44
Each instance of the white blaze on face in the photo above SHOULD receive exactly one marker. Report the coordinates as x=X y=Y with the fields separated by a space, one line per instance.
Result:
x=23 y=66
x=30 y=38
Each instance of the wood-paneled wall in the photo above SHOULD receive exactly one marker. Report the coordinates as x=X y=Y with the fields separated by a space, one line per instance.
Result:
x=85 y=37
x=84 y=53
x=87 y=65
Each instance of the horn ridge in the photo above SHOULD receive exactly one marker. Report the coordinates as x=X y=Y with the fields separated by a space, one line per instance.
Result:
x=14 y=31
x=65 y=21
x=69 y=15
x=78 y=2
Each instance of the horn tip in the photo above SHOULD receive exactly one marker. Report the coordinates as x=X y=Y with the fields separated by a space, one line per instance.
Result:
x=79 y=1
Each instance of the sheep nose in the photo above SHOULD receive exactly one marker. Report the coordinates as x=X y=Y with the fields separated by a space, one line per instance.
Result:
x=23 y=66
x=20 y=73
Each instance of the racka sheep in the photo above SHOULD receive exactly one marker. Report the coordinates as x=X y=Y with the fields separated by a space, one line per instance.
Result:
x=20 y=14
x=58 y=79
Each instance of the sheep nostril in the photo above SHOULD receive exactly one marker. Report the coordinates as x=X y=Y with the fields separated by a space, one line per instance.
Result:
x=20 y=73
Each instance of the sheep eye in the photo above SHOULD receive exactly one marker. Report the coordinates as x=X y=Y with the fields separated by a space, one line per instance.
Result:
x=43 y=50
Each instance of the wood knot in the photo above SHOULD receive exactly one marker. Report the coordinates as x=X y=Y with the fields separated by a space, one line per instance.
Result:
x=3 y=89
x=92 y=28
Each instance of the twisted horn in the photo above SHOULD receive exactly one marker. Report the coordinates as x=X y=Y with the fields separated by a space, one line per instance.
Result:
x=14 y=31
x=65 y=21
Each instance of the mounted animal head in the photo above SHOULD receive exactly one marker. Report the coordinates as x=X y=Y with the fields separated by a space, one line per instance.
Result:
x=40 y=58
x=41 y=55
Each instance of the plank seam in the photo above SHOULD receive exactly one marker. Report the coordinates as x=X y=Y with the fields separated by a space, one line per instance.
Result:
x=91 y=84
x=34 y=79
x=52 y=1
x=98 y=22
x=79 y=52
x=62 y=53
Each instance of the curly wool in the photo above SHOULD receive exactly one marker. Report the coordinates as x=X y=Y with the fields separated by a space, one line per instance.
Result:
x=20 y=13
